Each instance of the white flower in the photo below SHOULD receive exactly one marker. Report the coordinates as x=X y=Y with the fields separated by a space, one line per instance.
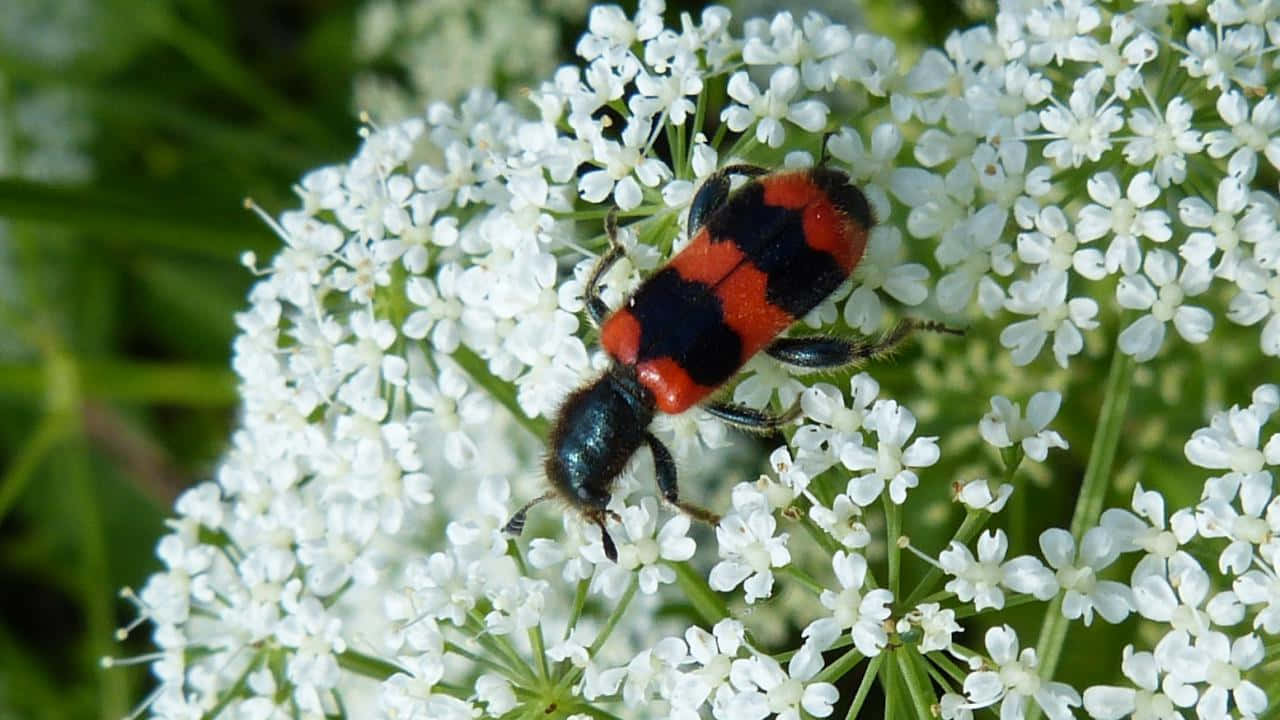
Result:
x=1231 y=443
x=937 y=626
x=1061 y=32
x=1045 y=297
x=640 y=551
x=1054 y=244
x=984 y=494
x=870 y=168
x=1124 y=217
x=1083 y=129
x=1177 y=598
x=1220 y=59
x=1015 y=681
x=770 y=108
x=1258 y=299
x=1165 y=141
x=1248 y=528
x=1147 y=530
x=815 y=48
x=749 y=552
x=1259 y=587
x=496 y=693
x=980 y=579
x=881 y=268
x=1084 y=592
x=843 y=521
x=1250 y=133
x=769 y=376
x=1225 y=661
x=650 y=667
x=1153 y=699
x=1222 y=229
x=889 y=461
x=840 y=426
x=768 y=690
x=620 y=161
x=714 y=652
x=574 y=647
x=852 y=609
x=1162 y=291
x=1004 y=425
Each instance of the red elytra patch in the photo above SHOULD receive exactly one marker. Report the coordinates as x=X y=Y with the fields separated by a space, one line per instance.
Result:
x=705 y=261
x=791 y=190
x=829 y=230
x=673 y=390
x=620 y=336
x=747 y=312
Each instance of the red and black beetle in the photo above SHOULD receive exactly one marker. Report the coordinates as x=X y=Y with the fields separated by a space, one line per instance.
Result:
x=761 y=257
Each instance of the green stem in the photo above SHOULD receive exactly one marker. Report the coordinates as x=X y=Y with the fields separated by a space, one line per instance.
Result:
x=500 y=646
x=804 y=578
x=516 y=678
x=535 y=633
x=368 y=666
x=1093 y=492
x=579 y=602
x=864 y=687
x=893 y=531
x=820 y=536
x=594 y=712
x=708 y=603
x=840 y=667
x=52 y=429
x=943 y=661
x=235 y=692
x=968 y=610
x=618 y=611
x=889 y=682
x=918 y=686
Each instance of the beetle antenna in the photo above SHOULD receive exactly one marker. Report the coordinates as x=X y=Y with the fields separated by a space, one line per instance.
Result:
x=515 y=525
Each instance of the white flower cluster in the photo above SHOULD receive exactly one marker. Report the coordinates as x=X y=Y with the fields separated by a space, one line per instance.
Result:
x=420 y=315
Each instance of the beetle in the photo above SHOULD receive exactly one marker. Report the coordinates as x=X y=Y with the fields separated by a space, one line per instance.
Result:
x=760 y=258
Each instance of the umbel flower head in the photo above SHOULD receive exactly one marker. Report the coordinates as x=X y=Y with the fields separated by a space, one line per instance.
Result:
x=1074 y=175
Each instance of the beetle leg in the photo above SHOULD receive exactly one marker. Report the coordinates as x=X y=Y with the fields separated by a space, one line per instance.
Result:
x=827 y=353
x=750 y=419
x=715 y=191
x=664 y=467
x=596 y=306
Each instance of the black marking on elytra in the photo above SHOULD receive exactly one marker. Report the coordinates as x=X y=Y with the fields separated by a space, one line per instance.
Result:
x=847 y=198
x=773 y=239
x=684 y=320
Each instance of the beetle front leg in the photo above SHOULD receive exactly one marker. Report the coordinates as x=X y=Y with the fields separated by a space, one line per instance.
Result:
x=596 y=306
x=664 y=468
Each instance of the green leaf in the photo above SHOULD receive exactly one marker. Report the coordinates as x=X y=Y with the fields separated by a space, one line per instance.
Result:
x=134 y=222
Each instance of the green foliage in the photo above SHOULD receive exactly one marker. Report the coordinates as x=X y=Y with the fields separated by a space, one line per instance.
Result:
x=120 y=237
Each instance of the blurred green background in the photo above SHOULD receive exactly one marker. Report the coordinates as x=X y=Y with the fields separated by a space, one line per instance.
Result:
x=130 y=133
